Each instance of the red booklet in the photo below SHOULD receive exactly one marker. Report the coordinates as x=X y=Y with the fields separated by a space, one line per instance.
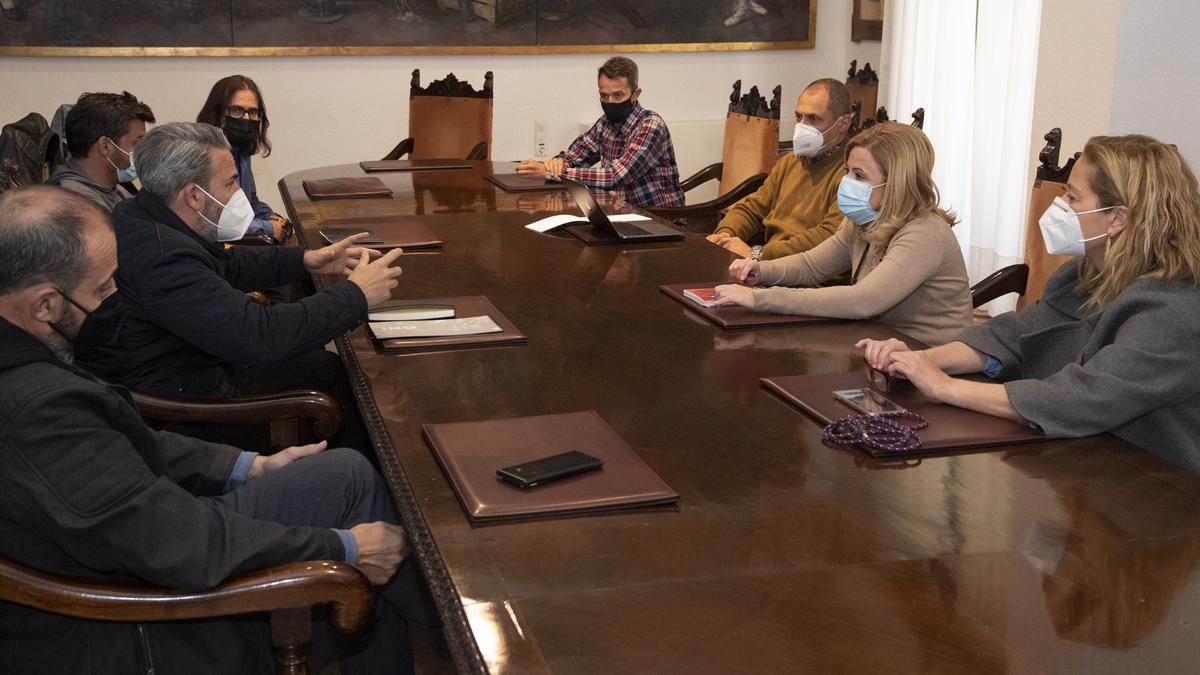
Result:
x=705 y=297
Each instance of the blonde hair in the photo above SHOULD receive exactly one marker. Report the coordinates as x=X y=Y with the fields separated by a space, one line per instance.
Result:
x=905 y=155
x=1161 y=239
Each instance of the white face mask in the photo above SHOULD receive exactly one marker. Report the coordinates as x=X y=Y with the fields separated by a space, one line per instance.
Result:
x=236 y=216
x=808 y=141
x=1061 y=231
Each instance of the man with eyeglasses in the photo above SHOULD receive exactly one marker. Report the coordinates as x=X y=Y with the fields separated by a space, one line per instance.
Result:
x=102 y=130
x=627 y=151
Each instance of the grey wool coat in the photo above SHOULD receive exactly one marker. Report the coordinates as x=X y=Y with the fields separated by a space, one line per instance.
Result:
x=1132 y=369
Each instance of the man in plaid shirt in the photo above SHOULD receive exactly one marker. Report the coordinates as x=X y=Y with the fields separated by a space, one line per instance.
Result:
x=631 y=144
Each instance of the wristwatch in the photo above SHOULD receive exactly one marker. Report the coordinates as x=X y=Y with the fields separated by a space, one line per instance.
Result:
x=755 y=252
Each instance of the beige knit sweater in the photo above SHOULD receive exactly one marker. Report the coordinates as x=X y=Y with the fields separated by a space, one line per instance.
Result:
x=917 y=283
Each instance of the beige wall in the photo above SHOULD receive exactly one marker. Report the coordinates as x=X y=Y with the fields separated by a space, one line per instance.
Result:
x=329 y=110
x=1076 y=62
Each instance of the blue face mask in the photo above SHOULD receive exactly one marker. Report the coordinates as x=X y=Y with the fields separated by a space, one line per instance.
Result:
x=854 y=200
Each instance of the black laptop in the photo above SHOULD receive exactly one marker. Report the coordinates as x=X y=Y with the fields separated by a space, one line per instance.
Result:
x=601 y=230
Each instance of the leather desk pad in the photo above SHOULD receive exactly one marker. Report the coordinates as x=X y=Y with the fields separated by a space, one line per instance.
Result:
x=464 y=306
x=736 y=316
x=359 y=187
x=512 y=182
x=413 y=165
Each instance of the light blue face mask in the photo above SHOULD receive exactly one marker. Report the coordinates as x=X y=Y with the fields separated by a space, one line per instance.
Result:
x=129 y=173
x=854 y=200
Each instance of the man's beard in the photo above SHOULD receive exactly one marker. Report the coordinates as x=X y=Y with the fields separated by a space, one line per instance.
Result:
x=59 y=345
x=209 y=230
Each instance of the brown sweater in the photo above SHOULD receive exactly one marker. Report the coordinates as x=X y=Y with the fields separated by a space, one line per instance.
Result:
x=918 y=283
x=794 y=210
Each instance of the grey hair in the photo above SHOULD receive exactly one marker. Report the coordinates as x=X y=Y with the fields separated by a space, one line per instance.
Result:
x=174 y=155
x=41 y=237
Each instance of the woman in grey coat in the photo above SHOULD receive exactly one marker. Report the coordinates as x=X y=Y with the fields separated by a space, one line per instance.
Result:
x=1111 y=346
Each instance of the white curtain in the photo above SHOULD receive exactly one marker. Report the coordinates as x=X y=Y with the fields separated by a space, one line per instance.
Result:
x=972 y=66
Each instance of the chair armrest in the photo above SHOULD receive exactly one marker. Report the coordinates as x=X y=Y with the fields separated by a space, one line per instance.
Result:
x=710 y=172
x=289 y=586
x=404 y=147
x=741 y=191
x=323 y=410
x=254 y=240
x=1011 y=279
x=478 y=152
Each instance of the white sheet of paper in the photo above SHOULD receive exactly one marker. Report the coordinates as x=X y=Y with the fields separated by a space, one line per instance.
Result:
x=547 y=224
x=469 y=325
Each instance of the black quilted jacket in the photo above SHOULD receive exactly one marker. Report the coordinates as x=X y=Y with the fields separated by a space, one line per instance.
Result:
x=188 y=311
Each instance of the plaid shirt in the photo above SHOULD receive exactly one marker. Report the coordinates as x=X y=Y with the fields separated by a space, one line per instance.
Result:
x=637 y=160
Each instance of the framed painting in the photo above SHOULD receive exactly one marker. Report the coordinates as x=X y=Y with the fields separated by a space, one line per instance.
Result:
x=379 y=27
x=866 y=20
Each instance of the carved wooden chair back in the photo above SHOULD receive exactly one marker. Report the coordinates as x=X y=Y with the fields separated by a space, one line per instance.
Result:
x=449 y=119
x=751 y=144
x=1049 y=182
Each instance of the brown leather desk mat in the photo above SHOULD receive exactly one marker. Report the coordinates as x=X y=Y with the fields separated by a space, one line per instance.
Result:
x=950 y=427
x=413 y=165
x=464 y=306
x=408 y=232
x=512 y=182
x=470 y=453
x=735 y=316
x=358 y=187
x=590 y=235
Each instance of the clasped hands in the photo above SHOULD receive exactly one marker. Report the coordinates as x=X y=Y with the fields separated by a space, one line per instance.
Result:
x=532 y=168
x=893 y=357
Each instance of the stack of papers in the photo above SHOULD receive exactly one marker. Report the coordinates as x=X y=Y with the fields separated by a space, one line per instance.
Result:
x=470 y=325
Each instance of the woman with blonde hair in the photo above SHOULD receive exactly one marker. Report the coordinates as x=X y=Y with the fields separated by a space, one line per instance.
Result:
x=1111 y=346
x=905 y=266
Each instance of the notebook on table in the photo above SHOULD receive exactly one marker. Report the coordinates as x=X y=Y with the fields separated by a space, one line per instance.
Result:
x=413 y=165
x=732 y=317
x=513 y=182
x=471 y=452
x=950 y=427
x=463 y=335
x=600 y=229
x=357 y=187
x=407 y=232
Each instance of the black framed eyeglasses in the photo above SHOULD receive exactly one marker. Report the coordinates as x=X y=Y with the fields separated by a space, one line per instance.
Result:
x=239 y=112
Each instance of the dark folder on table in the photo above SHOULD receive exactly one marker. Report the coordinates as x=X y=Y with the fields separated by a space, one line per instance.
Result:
x=470 y=453
x=387 y=232
x=512 y=182
x=735 y=316
x=413 y=165
x=358 y=187
x=950 y=427
x=464 y=306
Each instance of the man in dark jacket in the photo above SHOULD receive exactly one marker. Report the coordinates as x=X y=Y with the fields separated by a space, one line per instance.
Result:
x=90 y=491
x=191 y=331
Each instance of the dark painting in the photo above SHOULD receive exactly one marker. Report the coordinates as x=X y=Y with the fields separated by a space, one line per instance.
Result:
x=443 y=26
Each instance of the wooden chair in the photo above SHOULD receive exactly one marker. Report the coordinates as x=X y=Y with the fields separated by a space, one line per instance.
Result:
x=1049 y=182
x=751 y=142
x=1028 y=279
x=864 y=89
x=288 y=592
x=447 y=120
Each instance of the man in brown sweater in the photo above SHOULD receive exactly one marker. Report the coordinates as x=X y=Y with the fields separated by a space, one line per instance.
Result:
x=796 y=208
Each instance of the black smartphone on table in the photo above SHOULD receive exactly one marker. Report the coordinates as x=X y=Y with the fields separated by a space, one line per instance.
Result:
x=540 y=471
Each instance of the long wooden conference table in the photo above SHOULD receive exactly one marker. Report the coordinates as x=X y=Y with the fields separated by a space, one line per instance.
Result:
x=783 y=555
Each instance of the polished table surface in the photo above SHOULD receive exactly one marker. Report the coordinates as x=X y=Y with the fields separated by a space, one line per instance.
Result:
x=783 y=554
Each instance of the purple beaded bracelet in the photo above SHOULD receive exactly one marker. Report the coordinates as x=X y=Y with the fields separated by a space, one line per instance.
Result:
x=882 y=431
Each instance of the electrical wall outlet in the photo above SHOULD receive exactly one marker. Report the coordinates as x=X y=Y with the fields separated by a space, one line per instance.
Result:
x=539 y=139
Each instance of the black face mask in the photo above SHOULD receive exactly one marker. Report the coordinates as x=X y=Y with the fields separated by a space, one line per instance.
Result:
x=242 y=134
x=99 y=327
x=617 y=112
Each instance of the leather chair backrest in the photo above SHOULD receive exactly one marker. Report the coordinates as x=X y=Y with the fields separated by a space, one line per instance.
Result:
x=751 y=147
x=448 y=127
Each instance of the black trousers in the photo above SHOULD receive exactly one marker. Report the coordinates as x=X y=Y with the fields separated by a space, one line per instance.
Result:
x=339 y=489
